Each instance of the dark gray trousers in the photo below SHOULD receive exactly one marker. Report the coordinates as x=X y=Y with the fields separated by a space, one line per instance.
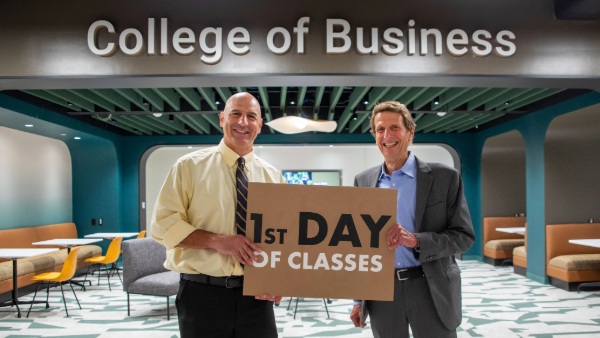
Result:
x=412 y=306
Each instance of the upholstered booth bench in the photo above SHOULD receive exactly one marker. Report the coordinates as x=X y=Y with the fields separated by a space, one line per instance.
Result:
x=520 y=260
x=498 y=246
x=567 y=264
x=29 y=267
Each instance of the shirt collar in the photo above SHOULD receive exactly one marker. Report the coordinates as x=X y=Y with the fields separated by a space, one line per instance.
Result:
x=409 y=168
x=231 y=156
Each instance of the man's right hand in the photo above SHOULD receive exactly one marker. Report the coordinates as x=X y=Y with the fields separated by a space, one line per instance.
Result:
x=355 y=317
x=239 y=247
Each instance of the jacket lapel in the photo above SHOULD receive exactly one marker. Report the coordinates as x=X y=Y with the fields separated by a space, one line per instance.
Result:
x=424 y=182
x=374 y=177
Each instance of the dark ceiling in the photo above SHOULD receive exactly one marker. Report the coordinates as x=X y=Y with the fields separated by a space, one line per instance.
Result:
x=193 y=111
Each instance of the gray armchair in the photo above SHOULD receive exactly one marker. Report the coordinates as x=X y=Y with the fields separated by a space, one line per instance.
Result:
x=144 y=273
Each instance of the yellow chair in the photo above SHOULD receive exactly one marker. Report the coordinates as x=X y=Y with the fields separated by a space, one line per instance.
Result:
x=59 y=278
x=112 y=255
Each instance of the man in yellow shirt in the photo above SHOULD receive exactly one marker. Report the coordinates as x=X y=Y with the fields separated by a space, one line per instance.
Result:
x=195 y=219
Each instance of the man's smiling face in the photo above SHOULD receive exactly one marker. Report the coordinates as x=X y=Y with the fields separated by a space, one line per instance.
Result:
x=392 y=138
x=241 y=122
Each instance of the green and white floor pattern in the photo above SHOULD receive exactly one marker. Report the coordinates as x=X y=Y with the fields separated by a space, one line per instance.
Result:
x=496 y=303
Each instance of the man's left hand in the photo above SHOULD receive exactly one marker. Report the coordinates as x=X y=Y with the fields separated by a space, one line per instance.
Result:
x=397 y=236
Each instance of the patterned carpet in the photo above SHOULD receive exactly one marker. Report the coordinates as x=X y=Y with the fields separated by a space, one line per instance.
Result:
x=496 y=303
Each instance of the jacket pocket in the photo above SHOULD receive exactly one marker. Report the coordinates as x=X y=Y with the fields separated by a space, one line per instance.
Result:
x=453 y=273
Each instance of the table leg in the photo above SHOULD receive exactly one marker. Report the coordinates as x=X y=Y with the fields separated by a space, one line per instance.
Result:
x=15 y=293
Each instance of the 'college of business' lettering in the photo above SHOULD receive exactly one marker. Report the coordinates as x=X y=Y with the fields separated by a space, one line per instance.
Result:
x=341 y=38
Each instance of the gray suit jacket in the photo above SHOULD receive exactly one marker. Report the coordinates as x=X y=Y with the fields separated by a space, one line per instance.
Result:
x=444 y=229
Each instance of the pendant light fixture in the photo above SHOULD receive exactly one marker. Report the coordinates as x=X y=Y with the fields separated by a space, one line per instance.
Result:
x=297 y=124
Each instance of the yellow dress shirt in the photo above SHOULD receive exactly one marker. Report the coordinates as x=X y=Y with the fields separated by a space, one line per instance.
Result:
x=200 y=193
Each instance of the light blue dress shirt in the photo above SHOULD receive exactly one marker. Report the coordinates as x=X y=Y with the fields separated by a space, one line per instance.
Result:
x=405 y=181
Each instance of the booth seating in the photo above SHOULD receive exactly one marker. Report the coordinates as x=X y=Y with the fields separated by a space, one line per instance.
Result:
x=520 y=259
x=498 y=246
x=567 y=264
x=52 y=262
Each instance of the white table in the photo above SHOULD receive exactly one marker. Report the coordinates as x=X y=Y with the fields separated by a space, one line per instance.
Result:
x=69 y=242
x=513 y=230
x=15 y=254
x=593 y=242
x=111 y=235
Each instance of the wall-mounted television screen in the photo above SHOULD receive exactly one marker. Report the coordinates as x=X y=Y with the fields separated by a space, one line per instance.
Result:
x=313 y=177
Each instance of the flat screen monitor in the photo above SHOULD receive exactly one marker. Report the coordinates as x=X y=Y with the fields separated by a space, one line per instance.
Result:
x=313 y=177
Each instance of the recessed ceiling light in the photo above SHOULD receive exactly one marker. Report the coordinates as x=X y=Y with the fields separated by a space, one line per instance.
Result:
x=77 y=138
x=63 y=134
x=29 y=125
x=441 y=113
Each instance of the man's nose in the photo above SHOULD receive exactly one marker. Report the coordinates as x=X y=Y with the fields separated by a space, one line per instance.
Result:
x=243 y=120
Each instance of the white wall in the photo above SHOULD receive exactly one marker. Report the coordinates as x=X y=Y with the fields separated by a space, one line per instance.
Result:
x=35 y=180
x=350 y=159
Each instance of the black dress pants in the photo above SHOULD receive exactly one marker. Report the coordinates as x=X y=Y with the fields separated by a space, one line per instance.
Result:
x=214 y=311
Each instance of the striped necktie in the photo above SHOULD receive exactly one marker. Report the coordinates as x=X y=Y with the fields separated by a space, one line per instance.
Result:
x=241 y=185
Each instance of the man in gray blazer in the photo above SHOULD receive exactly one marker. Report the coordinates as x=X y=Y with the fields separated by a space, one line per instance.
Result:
x=433 y=225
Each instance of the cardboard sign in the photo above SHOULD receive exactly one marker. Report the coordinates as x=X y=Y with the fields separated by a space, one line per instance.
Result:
x=321 y=242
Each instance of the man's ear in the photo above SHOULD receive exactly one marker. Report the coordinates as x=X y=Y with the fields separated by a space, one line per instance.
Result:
x=221 y=118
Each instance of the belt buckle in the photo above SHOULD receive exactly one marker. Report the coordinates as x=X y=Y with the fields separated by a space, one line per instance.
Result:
x=398 y=274
x=227 y=283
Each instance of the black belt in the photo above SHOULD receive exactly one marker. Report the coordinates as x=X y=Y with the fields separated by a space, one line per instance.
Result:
x=410 y=273
x=227 y=282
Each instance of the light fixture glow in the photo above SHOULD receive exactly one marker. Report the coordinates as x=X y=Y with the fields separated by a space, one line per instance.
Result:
x=441 y=113
x=296 y=124
x=29 y=125
x=77 y=138
x=157 y=114
x=301 y=123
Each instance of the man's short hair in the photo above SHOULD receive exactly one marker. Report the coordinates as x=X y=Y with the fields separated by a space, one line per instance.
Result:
x=393 y=107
